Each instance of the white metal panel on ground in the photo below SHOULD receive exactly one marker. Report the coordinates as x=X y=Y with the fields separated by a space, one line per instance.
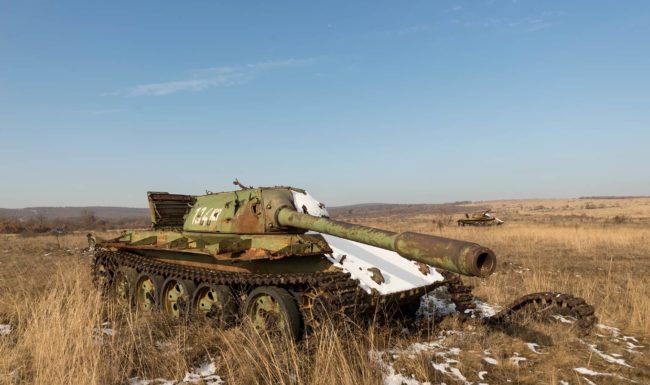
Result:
x=399 y=273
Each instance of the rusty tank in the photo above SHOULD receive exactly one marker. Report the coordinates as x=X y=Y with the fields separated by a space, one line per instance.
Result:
x=273 y=255
x=482 y=218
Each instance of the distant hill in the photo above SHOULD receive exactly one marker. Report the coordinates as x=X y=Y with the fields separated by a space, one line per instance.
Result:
x=72 y=212
x=369 y=210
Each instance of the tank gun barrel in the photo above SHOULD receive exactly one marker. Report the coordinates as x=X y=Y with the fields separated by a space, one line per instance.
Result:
x=461 y=257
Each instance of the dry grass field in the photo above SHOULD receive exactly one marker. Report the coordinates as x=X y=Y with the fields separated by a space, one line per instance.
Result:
x=57 y=329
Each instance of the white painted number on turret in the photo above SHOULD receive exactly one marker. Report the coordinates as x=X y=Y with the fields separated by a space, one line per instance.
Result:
x=205 y=215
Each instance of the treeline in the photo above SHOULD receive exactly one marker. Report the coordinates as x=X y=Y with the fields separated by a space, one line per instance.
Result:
x=86 y=221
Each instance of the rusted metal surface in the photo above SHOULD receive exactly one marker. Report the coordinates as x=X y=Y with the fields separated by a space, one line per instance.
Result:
x=376 y=275
x=222 y=246
x=544 y=306
x=168 y=210
x=483 y=218
x=458 y=256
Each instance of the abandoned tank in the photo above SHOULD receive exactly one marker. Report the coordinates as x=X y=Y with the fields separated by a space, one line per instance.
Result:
x=273 y=255
x=482 y=218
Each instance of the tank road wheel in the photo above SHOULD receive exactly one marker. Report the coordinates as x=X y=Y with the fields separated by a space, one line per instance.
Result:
x=273 y=310
x=176 y=297
x=147 y=288
x=122 y=285
x=215 y=302
x=103 y=277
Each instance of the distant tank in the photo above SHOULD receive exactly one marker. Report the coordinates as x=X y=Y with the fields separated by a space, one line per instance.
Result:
x=482 y=218
x=272 y=254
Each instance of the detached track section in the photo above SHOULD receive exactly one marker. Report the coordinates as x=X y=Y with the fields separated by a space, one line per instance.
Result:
x=543 y=306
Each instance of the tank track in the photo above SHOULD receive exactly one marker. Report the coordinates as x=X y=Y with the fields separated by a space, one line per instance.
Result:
x=340 y=294
x=461 y=294
x=325 y=295
x=543 y=306
x=330 y=295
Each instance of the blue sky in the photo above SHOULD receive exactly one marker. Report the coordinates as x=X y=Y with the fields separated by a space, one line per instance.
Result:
x=377 y=101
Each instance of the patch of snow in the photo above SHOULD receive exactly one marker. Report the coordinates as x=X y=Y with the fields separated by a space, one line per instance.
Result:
x=562 y=382
x=440 y=351
x=613 y=330
x=454 y=351
x=490 y=360
x=437 y=304
x=632 y=346
x=5 y=329
x=393 y=378
x=305 y=202
x=605 y=356
x=399 y=273
x=564 y=319
x=446 y=368
x=481 y=375
x=533 y=347
x=483 y=308
x=618 y=337
x=106 y=329
x=517 y=359
x=422 y=347
x=625 y=338
x=590 y=372
x=204 y=374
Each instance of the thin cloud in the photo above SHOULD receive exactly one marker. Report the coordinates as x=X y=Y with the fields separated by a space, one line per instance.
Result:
x=104 y=111
x=212 y=78
x=412 y=29
x=525 y=24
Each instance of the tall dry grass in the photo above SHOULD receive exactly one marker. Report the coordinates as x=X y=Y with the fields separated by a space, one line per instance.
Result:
x=608 y=265
x=59 y=318
x=65 y=332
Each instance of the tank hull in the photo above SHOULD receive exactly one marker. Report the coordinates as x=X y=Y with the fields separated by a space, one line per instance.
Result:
x=320 y=290
x=343 y=282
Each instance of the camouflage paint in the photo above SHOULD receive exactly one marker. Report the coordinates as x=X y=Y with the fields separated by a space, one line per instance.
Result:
x=262 y=224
